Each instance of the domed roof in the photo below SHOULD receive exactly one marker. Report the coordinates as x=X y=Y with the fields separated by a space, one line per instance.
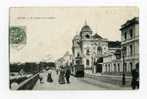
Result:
x=86 y=28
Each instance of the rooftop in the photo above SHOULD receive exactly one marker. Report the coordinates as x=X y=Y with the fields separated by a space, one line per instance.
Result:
x=128 y=23
x=114 y=44
x=95 y=36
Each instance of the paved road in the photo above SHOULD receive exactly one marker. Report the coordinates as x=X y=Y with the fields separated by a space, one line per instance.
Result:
x=76 y=84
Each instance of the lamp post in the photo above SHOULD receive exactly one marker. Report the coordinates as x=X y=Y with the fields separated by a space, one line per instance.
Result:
x=93 y=60
x=123 y=59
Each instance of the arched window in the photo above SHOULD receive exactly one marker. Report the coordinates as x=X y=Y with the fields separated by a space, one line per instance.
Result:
x=99 y=50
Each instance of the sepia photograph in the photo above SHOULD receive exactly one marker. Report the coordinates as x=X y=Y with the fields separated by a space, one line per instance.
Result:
x=74 y=48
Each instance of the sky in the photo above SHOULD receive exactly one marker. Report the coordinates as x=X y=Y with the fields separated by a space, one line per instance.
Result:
x=50 y=30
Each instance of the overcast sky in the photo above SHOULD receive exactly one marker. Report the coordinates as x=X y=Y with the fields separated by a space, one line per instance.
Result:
x=50 y=30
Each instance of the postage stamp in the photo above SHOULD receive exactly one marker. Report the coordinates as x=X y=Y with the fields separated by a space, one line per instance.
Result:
x=17 y=34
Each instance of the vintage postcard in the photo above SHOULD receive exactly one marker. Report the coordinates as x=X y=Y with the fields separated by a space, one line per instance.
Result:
x=74 y=48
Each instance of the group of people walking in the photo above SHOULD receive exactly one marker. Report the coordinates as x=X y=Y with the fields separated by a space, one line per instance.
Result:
x=63 y=73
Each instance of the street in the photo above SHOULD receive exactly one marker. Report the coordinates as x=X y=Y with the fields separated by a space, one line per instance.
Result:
x=76 y=84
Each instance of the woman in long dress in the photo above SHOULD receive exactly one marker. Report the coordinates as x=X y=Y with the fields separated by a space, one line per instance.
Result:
x=41 y=76
x=61 y=76
x=49 y=76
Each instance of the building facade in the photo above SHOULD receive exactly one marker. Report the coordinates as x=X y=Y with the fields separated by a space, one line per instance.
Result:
x=130 y=43
x=89 y=46
x=101 y=55
x=112 y=63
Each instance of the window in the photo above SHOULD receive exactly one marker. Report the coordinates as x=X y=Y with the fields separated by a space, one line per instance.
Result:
x=125 y=67
x=87 y=62
x=131 y=50
x=131 y=33
x=99 y=50
x=77 y=62
x=125 y=35
x=124 y=52
x=131 y=67
x=78 y=54
x=87 y=36
x=118 y=67
x=87 y=52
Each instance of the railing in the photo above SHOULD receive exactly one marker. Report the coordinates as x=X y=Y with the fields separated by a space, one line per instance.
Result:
x=28 y=84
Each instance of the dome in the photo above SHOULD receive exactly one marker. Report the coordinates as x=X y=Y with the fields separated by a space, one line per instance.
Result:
x=86 y=28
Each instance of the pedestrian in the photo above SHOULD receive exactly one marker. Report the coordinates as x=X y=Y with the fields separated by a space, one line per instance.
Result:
x=41 y=77
x=61 y=79
x=67 y=75
x=135 y=77
x=49 y=76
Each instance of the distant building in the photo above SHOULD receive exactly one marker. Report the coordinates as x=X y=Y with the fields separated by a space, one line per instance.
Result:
x=130 y=43
x=65 y=60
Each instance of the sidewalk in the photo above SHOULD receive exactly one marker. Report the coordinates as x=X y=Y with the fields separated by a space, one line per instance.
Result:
x=107 y=86
x=112 y=79
x=106 y=75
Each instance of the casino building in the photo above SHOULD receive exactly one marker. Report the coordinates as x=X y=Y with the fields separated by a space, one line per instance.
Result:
x=91 y=47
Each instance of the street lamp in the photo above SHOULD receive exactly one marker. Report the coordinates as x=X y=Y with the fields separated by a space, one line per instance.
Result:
x=93 y=62
x=123 y=57
x=118 y=54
